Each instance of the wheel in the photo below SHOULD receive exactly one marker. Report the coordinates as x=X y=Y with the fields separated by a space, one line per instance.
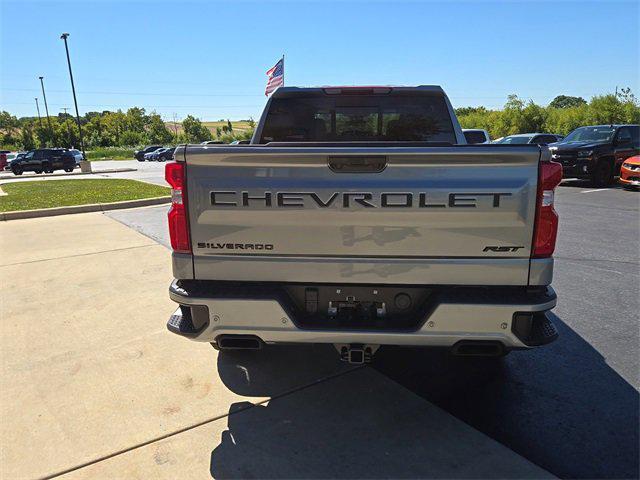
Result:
x=68 y=170
x=46 y=167
x=602 y=174
x=37 y=171
x=17 y=170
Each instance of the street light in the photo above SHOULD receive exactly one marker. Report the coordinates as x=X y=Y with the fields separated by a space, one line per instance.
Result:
x=38 y=108
x=64 y=37
x=46 y=109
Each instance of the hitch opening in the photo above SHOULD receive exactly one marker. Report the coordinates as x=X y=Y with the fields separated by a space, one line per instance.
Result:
x=357 y=354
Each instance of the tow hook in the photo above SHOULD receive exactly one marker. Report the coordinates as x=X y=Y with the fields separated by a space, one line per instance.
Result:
x=356 y=353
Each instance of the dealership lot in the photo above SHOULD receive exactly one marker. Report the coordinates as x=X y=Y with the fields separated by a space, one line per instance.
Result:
x=92 y=381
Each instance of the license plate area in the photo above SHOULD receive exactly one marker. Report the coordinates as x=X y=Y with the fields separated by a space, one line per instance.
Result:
x=358 y=307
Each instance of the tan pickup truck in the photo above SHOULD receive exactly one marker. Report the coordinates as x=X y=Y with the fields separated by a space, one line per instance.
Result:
x=360 y=217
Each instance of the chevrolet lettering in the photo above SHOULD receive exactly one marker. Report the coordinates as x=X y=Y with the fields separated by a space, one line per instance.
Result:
x=353 y=199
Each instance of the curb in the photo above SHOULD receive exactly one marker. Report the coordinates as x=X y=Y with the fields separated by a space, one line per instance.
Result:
x=92 y=207
x=70 y=174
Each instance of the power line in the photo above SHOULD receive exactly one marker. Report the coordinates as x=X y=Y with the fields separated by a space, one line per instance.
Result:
x=144 y=93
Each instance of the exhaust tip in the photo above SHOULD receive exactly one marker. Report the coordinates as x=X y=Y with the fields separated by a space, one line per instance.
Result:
x=478 y=348
x=238 y=342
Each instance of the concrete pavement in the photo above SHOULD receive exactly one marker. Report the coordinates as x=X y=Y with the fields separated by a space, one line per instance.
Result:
x=571 y=407
x=93 y=384
x=150 y=172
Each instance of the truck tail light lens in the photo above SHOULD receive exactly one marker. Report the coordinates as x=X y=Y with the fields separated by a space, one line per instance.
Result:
x=546 y=226
x=174 y=174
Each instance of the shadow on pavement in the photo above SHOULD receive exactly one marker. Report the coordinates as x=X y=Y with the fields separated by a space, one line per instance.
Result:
x=581 y=183
x=356 y=425
x=560 y=406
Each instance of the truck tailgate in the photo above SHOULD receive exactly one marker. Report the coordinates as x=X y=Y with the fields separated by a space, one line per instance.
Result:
x=409 y=215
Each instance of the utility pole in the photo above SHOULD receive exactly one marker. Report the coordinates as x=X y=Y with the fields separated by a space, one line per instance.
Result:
x=38 y=108
x=64 y=37
x=175 y=127
x=68 y=126
x=46 y=109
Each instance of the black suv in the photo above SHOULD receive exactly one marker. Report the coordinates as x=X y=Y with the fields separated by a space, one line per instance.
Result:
x=139 y=154
x=596 y=152
x=44 y=160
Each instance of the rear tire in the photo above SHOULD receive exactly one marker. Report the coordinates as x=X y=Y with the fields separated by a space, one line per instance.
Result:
x=68 y=170
x=602 y=174
x=37 y=171
x=17 y=171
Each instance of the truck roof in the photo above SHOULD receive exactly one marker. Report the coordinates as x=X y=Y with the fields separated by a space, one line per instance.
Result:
x=283 y=92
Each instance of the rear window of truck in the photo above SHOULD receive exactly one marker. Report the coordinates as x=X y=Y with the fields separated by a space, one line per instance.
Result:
x=359 y=118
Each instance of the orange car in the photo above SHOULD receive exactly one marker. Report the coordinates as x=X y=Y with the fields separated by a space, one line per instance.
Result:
x=630 y=172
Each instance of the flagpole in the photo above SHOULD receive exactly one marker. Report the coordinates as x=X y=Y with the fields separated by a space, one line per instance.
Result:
x=283 y=69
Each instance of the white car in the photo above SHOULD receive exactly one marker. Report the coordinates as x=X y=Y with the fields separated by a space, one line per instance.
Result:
x=77 y=154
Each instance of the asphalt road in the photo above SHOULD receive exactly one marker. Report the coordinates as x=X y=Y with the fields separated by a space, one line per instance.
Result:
x=570 y=407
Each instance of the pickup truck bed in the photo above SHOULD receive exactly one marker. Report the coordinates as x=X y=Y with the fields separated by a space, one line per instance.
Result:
x=362 y=243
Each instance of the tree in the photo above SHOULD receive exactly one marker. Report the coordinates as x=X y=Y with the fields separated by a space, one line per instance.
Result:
x=194 y=131
x=565 y=101
x=229 y=126
x=136 y=120
x=27 y=138
x=8 y=129
x=157 y=131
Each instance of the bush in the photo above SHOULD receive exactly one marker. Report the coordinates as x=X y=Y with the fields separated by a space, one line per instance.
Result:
x=115 y=153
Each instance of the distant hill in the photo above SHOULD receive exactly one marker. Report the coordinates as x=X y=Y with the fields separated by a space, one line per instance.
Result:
x=239 y=126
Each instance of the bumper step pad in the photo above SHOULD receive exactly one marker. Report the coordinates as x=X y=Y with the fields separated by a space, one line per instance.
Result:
x=181 y=322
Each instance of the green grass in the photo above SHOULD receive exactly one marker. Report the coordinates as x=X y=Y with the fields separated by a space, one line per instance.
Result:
x=61 y=193
x=110 y=153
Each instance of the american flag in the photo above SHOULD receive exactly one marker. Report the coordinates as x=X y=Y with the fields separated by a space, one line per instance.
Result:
x=276 y=77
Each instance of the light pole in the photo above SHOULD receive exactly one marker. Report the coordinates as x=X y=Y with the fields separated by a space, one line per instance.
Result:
x=46 y=109
x=175 y=128
x=64 y=37
x=38 y=108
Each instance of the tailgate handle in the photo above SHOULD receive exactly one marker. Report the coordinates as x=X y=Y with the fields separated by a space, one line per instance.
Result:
x=353 y=164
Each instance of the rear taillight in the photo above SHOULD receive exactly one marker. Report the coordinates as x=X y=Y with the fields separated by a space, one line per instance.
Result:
x=174 y=174
x=546 y=226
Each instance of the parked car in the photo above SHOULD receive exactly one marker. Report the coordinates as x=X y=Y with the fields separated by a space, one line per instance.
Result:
x=597 y=152
x=476 y=135
x=161 y=155
x=45 y=160
x=164 y=154
x=3 y=159
x=77 y=155
x=529 y=139
x=148 y=157
x=140 y=154
x=13 y=156
x=630 y=172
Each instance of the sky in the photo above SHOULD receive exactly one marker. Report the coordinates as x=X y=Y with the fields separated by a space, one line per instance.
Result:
x=209 y=58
